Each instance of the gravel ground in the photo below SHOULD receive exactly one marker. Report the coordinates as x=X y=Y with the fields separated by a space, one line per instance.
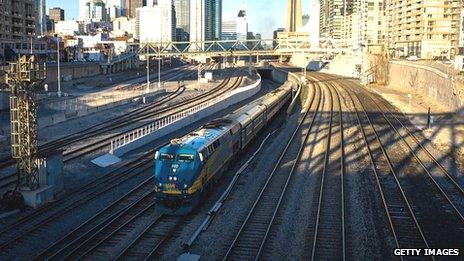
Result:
x=446 y=138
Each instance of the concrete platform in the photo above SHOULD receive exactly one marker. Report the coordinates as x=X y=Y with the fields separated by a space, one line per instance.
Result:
x=106 y=160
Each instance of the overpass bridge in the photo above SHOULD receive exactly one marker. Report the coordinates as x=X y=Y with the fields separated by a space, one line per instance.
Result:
x=225 y=48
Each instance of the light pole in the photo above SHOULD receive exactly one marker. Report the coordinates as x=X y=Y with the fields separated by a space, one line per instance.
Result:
x=58 y=63
x=199 y=72
x=159 y=70
x=159 y=55
x=148 y=77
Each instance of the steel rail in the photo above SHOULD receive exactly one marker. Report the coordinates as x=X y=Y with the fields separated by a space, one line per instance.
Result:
x=427 y=171
x=270 y=179
x=96 y=220
x=102 y=143
x=83 y=134
x=139 y=208
x=324 y=193
x=135 y=168
x=151 y=239
x=395 y=214
x=36 y=213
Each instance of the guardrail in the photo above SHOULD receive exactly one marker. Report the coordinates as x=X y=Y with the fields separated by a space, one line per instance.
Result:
x=139 y=133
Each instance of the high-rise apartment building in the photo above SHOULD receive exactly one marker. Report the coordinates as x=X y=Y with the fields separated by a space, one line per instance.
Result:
x=426 y=29
x=17 y=24
x=205 y=20
x=364 y=23
x=182 y=8
x=40 y=17
x=56 y=14
x=331 y=18
x=294 y=15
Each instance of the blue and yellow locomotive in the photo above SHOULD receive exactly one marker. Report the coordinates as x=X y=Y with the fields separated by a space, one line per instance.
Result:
x=188 y=166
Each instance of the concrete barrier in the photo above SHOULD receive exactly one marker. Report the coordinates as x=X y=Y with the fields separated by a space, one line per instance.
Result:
x=426 y=80
x=234 y=97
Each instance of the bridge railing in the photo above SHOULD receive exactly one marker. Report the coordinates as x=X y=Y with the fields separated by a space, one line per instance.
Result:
x=233 y=47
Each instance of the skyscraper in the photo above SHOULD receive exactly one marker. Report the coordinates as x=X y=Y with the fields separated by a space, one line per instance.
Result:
x=205 y=20
x=40 y=18
x=217 y=14
x=182 y=8
x=294 y=15
x=242 y=25
x=331 y=18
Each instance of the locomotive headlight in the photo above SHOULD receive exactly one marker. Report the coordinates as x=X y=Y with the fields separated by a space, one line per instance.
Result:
x=175 y=178
x=170 y=178
x=160 y=184
x=185 y=186
x=174 y=170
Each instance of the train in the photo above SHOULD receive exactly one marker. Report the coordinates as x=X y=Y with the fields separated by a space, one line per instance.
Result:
x=189 y=166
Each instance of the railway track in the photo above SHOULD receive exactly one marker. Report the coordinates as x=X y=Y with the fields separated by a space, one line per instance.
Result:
x=147 y=243
x=15 y=233
x=329 y=228
x=436 y=213
x=253 y=234
x=83 y=231
x=43 y=218
x=405 y=228
x=106 y=125
x=158 y=114
x=152 y=112
x=444 y=182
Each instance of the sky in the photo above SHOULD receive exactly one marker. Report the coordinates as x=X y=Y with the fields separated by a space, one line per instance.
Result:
x=264 y=16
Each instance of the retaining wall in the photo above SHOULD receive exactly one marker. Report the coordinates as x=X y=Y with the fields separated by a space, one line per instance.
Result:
x=65 y=116
x=76 y=70
x=427 y=81
x=236 y=96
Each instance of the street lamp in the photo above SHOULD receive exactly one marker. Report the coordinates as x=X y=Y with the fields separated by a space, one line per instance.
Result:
x=148 y=77
x=58 y=63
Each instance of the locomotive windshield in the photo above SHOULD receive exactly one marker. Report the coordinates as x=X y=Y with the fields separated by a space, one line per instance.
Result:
x=185 y=157
x=166 y=156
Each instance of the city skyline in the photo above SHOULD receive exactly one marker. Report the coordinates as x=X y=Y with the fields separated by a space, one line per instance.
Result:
x=264 y=24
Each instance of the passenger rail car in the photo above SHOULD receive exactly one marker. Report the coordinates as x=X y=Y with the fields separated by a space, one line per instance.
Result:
x=189 y=165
